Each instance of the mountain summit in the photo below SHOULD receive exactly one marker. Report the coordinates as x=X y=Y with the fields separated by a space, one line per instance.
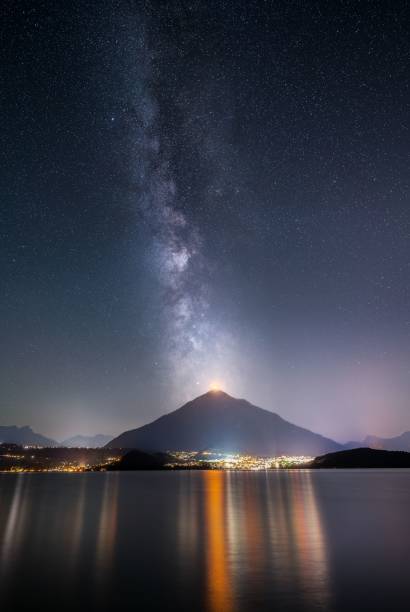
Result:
x=217 y=421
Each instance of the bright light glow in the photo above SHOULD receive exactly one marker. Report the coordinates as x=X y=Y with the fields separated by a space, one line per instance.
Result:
x=215 y=386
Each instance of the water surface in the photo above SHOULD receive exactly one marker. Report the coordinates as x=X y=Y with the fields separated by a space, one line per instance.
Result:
x=206 y=541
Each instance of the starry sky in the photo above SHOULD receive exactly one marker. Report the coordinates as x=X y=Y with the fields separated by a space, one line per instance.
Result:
x=205 y=191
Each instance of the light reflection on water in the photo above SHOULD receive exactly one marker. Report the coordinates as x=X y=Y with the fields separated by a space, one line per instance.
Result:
x=218 y=566
x=13 y=526
x=205 y=541
x=77 y=525
x=107 y=526
x=250 y=543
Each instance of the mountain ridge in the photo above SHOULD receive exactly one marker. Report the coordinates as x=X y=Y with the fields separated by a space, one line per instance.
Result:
x=82 y=441
x=24 y=436
x=395 y=443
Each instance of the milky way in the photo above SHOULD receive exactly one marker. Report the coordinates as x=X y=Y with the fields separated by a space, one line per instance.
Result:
x=197 y=351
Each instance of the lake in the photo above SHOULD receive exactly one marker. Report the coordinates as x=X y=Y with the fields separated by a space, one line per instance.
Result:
x=206 y=541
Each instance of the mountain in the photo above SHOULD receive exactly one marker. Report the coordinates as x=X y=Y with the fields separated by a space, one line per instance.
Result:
x=97 y=441
x=362 y=458
x=398 y=443
x=217 y=421
x=24 y=436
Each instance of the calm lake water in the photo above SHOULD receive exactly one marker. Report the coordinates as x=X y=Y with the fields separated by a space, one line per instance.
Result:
x=214 y=541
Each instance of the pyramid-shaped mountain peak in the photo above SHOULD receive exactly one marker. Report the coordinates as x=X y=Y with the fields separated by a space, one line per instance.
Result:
x=218 y=421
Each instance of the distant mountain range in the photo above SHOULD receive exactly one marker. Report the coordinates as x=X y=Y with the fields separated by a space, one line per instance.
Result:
x=24 y=436
x=213 y=421
x=398 y=443
x=80 y=441
x=217 y=421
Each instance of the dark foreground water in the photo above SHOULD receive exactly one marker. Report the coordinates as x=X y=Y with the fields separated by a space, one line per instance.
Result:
x=214 y=541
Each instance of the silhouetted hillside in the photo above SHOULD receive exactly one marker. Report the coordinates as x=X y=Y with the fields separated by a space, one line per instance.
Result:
x=363 y=458
x=216 y=420
x=137 y=460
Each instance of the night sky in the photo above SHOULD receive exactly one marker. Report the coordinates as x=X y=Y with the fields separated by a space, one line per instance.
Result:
x=205 y=191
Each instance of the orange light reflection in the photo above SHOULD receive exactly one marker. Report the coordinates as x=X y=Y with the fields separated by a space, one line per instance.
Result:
x=218 y=574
